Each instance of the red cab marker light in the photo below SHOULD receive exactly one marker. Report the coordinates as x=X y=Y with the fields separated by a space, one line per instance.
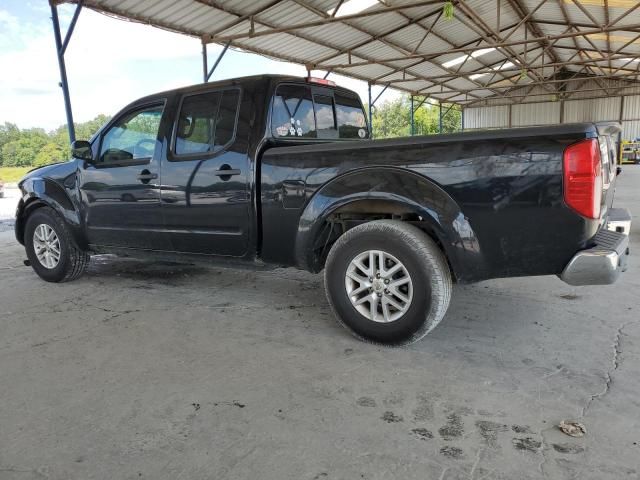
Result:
x=321 y=81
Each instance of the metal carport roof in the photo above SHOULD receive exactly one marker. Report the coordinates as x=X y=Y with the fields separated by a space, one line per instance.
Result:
x=488 y=49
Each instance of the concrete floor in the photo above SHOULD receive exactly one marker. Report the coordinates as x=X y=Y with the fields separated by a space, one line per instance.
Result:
x=163 y=372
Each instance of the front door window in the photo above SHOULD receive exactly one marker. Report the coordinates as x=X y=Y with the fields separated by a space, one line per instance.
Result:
x=133 y=137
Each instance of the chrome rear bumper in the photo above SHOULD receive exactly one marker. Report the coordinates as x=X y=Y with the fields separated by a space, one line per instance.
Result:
x=619 y=220
x=603 y=263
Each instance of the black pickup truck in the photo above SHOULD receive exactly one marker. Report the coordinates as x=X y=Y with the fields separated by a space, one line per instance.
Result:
x=282 y=171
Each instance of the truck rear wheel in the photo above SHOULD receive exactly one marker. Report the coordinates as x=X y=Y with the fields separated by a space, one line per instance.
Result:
x=387 y=282
x=51 y=250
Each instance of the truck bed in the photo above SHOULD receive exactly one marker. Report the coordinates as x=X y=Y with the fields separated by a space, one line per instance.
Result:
x=507 y=184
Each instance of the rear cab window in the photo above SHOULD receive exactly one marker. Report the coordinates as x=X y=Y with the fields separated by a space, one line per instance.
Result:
x=206 y=123
x=302 y=111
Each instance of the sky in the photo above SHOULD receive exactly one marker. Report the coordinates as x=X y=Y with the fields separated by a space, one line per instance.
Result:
x=109 y=64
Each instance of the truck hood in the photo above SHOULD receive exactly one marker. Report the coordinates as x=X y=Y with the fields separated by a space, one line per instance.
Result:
x=55 y=171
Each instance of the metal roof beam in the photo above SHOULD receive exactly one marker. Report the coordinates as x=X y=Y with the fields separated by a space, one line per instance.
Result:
x=490 y=32
x=400 y=48
x=337 y=7
x=494 y=100
x=586 y=12
x=316 y=23
x=567 y=63
x=437 y=12
x=572 y=27
x=548 y=21
x=242 y=18
x=441 y=37
x=308 y=38
x=626 y=77
x=430 y=56
x=527 y=17
x=624 y=15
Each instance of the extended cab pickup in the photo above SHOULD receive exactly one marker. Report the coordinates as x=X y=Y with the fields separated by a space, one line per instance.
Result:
x=274 y=170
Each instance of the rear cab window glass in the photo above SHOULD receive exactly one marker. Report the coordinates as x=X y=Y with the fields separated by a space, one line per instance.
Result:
x=206 y=122
x=350 y=117
x=293 y=114
x=325 y=114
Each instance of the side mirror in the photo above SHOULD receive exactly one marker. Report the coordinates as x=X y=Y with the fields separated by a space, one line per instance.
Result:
x=82 y=149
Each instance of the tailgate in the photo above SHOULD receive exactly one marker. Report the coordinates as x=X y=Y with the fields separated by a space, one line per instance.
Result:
x=608 y=138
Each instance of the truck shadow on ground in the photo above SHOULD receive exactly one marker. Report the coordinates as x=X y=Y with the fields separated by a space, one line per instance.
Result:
x=486 y=311
x=133 y=269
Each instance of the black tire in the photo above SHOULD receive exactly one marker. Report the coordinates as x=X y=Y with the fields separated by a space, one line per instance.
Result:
x=427 y=268
x=73 y=261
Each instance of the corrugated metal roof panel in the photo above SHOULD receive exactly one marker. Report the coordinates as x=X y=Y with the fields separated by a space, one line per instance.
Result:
x=385 y=34
x=413 y=86
x=285 y=13
x=290 y=45
x=377 y=49
x=455 y=31
x=342 y=59
x=379 y=24
x=368 y=71
x=343 y=36
x=427 y=69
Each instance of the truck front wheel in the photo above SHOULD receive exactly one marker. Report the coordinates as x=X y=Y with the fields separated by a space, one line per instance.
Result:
x=50 y=247
x=387 y=282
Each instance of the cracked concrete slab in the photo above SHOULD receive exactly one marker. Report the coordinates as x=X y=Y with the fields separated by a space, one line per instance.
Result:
x=184 y=372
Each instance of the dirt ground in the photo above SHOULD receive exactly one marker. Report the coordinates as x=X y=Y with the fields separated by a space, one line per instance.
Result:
x=173 y=372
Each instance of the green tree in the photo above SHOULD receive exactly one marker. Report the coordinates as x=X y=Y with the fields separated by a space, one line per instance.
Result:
x=35 y=147
x=9 y=132
x=393 y=118
x=50 y=153
x=22 y=152
x=86 y=130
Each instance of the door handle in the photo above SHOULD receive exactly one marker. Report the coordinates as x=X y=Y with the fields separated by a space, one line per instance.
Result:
x=227 y=171
x=145 y=176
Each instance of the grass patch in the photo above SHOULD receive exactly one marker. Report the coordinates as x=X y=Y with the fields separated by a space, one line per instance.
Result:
x=13 y=174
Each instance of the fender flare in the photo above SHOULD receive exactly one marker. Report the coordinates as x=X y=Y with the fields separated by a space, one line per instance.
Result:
x=419 y=194
x=42 y=192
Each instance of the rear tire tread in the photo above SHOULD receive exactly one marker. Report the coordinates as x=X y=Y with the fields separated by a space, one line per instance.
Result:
x=414 y=239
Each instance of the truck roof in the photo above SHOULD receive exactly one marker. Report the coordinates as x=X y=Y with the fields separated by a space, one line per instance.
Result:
x=238 y=81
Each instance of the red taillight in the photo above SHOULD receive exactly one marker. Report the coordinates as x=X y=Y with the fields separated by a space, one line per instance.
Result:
x=583 y=177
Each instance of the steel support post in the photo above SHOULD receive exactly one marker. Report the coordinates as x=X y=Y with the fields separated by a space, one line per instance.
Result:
x=439 y=117
x=205 y=68
x=412 y=121
x=61 y=47
x=207 y=75
x=370 y=113
x=372 y=103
